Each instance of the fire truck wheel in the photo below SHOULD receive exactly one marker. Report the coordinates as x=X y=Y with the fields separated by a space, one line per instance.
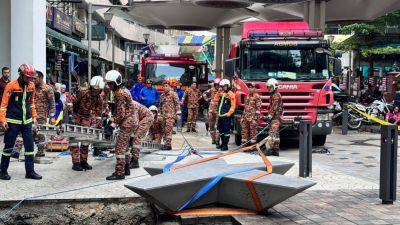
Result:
x=319 y=140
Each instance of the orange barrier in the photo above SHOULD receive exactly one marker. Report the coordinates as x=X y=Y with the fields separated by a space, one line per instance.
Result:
x=213 y=212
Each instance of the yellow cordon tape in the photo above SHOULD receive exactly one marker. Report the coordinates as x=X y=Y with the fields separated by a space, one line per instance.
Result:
x=371 y=118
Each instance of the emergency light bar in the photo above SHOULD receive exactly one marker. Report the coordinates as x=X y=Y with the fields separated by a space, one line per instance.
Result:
x=269 y=34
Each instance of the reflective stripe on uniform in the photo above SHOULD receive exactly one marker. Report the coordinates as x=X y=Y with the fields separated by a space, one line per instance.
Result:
x=7 y=153
x=29 y=153
x=221 y=103
x=24 y=106
x=14 y=121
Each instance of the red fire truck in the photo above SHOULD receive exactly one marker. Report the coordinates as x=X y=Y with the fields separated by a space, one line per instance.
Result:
x=298 y=58
x=159 y=66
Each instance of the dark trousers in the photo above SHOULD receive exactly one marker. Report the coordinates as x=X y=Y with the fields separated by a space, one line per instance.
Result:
x=9 y=141
x=224 y=125
x=224 y=128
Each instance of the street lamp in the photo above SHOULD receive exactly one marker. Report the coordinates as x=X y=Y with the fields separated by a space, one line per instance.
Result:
x=146 y=37
x=108 y=17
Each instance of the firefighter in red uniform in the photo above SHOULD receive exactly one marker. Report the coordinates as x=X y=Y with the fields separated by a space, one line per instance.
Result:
x=212 y=112
x=274 y=117
x=145 y=117
x=225 y=102
x=126 y=118
x=17 y=113
x=87 y=109
x=251 y=115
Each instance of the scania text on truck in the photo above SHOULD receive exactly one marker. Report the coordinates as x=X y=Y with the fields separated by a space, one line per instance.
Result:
x=298 y=58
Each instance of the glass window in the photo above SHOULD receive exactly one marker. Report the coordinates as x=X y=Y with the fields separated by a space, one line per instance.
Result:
x=184 y=73
x=284 y=64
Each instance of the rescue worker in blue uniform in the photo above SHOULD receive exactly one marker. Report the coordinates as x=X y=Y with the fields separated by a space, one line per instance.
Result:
x=17 y=114
x=225 y=102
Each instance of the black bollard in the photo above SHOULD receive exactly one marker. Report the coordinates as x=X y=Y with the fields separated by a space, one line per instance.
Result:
x=305 y=148
x=388 y=168
x=345 y=120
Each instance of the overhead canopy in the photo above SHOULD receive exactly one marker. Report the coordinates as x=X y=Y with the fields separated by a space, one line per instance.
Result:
x=183 y=15
x=194 y=15
x=336 y=10
x=69 y=40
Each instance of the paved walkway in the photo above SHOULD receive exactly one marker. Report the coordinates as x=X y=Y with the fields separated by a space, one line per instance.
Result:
x=346 y=191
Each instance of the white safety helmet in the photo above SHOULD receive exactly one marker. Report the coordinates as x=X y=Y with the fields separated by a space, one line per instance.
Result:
x=273 y=83
x=224 y=82
x=153 y=108
x=97 y=82
x=114 y=76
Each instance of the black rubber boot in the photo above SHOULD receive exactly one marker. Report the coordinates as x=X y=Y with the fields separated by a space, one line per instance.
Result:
x=96 y=152
x=85 y=165
x=115 y=177
x=134 y=164
x=33 y=175
x=77 y=167
x=5 y=162
x=275 y=152
x=166 y=148
x=4 y=176
x=127 y=169
x=225 y=141
x=218 y=144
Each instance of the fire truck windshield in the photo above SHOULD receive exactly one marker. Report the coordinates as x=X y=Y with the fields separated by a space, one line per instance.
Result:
x=293 y=64
x=184 y=73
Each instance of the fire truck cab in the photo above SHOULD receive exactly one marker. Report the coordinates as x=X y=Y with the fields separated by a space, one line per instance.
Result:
x=298 y=58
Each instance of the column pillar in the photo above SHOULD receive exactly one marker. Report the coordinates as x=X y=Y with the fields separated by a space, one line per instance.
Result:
x=5 y=30
x=322 y=15
x=218 y=52
x=28 y=34
x=227 y=42
x=306 y=13
x=311 y=14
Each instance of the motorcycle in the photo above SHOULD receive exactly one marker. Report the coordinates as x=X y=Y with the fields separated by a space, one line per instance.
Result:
x=378 y=108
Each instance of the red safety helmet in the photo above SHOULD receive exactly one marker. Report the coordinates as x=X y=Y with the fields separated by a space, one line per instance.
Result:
x=217 y=80
x=27 y=70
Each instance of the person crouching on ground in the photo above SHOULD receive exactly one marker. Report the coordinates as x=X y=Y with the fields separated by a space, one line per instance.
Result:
x=87 y=110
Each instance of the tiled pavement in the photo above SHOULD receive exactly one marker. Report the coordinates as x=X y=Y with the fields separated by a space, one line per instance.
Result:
x=346 y=191
x=328 y=208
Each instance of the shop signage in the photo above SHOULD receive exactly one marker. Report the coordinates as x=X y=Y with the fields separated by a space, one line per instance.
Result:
x=98 y=32
x=49 y=14
x=58 y=62
x=62 y=21
x=79 y=27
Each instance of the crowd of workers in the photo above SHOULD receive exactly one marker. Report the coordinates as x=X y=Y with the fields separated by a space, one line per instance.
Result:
x=136 y=114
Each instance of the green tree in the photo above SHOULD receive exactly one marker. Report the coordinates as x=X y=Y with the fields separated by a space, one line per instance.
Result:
x=370 y=39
